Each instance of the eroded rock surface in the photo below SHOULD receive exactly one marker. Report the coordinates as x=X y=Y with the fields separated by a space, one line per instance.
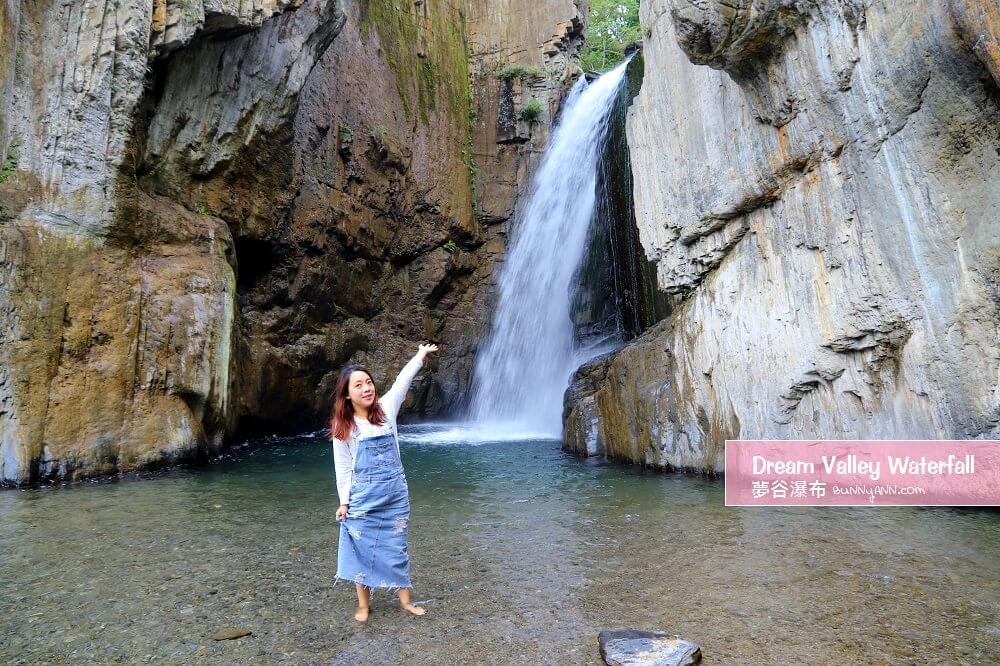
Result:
x=119 y=303
x=819 y=183
x=209 y=206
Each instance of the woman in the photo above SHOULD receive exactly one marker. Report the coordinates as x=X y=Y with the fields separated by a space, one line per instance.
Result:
x=374 y=498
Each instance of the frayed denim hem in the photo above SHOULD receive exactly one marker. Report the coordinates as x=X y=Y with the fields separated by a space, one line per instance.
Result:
x=372 y=588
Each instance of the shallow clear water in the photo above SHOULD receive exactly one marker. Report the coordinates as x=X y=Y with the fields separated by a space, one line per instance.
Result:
x=520 y=553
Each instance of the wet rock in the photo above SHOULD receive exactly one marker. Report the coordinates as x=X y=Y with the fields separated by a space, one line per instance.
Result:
x=581 y=422
x=543 y=35
x=633 y=647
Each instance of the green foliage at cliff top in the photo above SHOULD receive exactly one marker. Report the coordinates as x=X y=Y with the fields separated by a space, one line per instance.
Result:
x=613 y=25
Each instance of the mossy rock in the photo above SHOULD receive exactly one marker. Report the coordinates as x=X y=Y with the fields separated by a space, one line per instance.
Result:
x=523 y=72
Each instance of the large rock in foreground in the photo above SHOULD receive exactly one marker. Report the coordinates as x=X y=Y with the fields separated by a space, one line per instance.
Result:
x=633 y=647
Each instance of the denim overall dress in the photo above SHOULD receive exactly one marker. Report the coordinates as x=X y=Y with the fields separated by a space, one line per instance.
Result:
x=372 y=546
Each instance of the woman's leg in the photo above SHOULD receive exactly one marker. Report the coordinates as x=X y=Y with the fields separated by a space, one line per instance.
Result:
x=404 y=602
x=364 y=598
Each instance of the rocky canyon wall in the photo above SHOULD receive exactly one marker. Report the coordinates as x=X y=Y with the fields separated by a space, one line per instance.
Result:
x=819 y=183
x=120 y=303
x=207 y=208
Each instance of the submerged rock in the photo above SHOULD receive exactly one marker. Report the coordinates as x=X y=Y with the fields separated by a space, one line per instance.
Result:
x=633 y=647
x=229 y=634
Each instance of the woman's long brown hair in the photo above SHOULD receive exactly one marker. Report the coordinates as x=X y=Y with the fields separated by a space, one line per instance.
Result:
x=342 y=419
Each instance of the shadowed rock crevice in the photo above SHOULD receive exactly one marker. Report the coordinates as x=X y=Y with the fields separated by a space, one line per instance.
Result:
x=616 y=297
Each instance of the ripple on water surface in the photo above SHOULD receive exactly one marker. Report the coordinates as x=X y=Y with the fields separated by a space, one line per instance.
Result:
x=520 y=553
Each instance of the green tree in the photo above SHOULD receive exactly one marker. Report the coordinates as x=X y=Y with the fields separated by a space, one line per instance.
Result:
x=613 y=25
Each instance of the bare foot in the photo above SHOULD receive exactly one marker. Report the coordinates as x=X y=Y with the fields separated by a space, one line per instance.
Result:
x=361 y=615
x=416 y=610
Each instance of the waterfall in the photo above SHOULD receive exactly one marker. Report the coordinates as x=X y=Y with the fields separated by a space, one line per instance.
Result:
x=525 y=363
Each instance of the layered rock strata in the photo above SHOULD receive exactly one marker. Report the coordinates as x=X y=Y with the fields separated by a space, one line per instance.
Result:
x=208 y=207
x=819 y=183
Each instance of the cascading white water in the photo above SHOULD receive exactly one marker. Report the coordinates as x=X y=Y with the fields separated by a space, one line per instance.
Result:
x=524 y=366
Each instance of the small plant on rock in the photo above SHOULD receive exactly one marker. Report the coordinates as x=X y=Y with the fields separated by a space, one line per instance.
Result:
x=522 y=72
x=380 y=135
x=9 y=165
x=191 y=10
x=531 y=113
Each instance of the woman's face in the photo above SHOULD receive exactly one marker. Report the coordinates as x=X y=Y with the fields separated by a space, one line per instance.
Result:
x=361 y=390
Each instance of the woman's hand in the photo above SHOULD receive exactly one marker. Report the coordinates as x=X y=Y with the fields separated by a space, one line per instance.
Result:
x=342 y=512
x=424 y=350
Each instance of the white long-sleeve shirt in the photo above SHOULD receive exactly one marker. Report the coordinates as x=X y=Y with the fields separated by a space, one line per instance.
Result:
x=345 y=452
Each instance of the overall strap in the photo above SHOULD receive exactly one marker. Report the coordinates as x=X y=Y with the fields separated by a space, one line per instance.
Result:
x=354 y=453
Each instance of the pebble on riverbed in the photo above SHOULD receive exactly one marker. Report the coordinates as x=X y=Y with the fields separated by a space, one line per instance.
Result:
x=227 y=634
x=633 y=647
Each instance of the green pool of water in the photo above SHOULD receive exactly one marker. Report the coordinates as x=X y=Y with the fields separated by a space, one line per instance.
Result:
x=520 y=552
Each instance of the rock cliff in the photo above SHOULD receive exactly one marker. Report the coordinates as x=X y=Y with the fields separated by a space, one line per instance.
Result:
x=819 y=183
x=207 y=207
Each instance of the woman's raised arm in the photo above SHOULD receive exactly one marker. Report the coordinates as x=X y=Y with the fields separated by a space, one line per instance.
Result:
x=394 y=397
